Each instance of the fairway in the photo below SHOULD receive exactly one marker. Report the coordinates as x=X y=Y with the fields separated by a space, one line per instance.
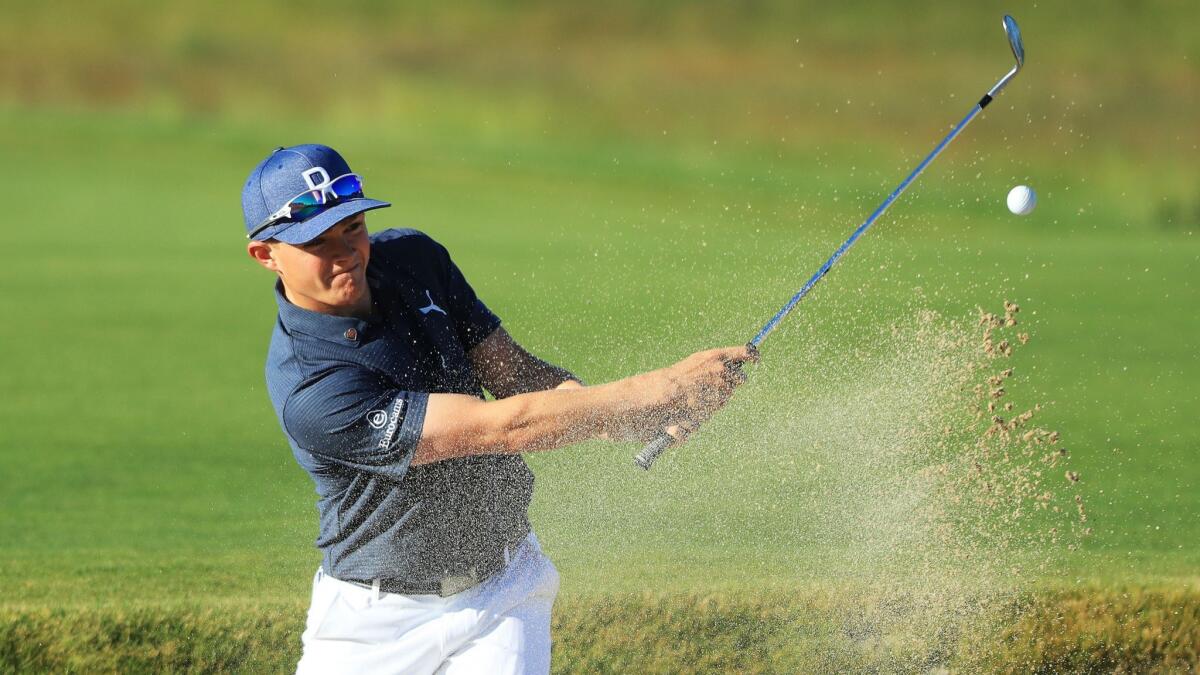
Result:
x=191 y=460
x=144 y=465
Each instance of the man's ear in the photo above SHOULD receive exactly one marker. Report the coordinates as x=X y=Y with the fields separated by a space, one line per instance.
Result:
x=263 y=254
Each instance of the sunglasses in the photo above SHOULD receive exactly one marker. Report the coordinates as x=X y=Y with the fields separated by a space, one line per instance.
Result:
x=309 y=203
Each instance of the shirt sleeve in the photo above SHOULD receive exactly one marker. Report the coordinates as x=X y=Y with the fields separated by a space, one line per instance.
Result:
x=473 y=321
x=348 y=416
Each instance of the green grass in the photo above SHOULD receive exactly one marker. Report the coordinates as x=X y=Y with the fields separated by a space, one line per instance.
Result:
x=149 y=460
x=813 y=631
x=618 y=216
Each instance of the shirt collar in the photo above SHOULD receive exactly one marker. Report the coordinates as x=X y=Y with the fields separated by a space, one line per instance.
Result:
x=343 y=330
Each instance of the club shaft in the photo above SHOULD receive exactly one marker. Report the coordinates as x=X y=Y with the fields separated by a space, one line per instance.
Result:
x=645 y=459
x=791 y=304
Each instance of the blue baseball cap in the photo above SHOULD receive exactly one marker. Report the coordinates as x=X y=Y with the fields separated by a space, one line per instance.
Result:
x=288 y=172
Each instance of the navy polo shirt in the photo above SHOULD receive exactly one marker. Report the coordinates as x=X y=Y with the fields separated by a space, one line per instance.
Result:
x=351 y=397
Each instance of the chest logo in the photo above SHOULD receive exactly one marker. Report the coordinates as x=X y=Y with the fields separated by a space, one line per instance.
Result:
x=432 y=306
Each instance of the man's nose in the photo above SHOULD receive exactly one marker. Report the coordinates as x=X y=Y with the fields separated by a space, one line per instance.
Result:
x=345 y=246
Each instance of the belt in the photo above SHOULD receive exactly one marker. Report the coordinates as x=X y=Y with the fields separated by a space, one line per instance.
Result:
x=445 y=586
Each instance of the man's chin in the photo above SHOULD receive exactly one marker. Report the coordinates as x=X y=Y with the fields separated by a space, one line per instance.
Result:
x=347 y=291
x=346 y=298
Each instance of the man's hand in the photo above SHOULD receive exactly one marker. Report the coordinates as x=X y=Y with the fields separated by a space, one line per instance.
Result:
x=680 y=397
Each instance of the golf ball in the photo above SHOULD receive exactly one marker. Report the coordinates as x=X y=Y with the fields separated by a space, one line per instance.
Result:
x=1021 y=200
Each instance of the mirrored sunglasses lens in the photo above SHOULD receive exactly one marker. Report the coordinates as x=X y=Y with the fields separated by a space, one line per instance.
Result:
x=347 y=186
x=307 y=205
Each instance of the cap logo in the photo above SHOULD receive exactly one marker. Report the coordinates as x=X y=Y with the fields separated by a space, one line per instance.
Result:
x=310 y=177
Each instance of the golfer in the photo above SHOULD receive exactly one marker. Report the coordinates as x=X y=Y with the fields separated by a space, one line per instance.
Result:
x=377 y=369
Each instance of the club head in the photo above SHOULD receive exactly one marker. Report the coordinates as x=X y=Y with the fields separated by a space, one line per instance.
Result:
x=1014 y=40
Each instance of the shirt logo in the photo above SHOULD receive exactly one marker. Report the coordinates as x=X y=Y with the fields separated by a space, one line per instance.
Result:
x=378 y=419
x=432 y=306
x=393 y=425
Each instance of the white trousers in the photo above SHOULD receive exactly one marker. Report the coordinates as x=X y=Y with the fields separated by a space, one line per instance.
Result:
x=499 y=626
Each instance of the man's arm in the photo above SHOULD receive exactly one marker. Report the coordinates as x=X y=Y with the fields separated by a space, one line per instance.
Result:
x=506 y=369
x=458 y=425
x=683 y=394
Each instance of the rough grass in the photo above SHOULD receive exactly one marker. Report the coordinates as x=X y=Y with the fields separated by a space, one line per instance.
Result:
x=1090 y=630
x=1119 y=630
x=680 y=74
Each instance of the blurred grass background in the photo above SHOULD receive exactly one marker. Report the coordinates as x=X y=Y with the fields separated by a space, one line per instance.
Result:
x=623 y=183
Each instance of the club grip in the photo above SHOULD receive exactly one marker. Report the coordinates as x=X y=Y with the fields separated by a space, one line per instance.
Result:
x=645 y=458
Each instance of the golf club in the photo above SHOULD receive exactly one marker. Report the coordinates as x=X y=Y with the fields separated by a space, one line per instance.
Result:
x=645 y=459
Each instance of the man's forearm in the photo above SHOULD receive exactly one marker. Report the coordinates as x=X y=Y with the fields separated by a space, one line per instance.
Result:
x=457 y=426
x=681 y=395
